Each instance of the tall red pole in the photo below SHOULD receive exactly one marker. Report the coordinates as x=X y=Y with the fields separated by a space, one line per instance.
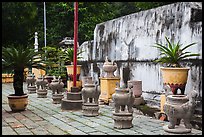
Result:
x=75 y=41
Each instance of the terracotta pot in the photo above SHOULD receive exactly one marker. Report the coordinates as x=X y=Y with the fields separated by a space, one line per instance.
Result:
x=18 y=103
x=137 y=87
x=176 y=78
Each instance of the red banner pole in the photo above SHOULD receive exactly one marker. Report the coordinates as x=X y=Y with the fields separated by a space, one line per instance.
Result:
x=75 y=41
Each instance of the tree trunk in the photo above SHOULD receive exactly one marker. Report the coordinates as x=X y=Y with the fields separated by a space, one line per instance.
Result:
x=18 y=82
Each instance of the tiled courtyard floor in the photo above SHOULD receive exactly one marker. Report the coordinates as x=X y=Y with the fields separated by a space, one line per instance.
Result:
x=42 y=117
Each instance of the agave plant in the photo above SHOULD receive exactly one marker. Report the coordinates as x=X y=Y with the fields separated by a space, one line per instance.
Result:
x=69 y=54
x=173 y=53
x=17 y=58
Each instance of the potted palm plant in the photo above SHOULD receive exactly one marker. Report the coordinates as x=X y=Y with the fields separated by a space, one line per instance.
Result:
x=172 y=54
x=68 y=56
x=17 y=58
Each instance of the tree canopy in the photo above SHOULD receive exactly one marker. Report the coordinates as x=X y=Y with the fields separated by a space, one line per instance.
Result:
x=20 y=20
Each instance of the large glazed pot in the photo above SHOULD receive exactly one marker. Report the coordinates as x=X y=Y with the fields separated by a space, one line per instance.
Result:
x=109 y=68
x=70 y=71
x=179 y=107
x=176 y=78
x=18 y=103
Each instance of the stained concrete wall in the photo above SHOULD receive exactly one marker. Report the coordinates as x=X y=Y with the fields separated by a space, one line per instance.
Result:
x=128 y=40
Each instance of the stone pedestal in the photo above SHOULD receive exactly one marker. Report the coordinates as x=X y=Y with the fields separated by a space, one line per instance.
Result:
x=108 y=86
x=42 y=93
x=57 y=98
x=31 y=89
x=73 y=100
x=90 y=109
x=122 y=120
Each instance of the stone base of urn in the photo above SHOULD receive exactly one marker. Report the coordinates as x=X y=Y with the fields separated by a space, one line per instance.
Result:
x=90 y=109
x=122 y=120
x=57 y=98
x=42 y=93
x=31 y=89
x=181 y=129
x=138 y=101
x=73 y=100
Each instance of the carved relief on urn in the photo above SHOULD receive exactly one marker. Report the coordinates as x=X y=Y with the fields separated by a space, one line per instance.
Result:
x=179 y=107
x=109 y=68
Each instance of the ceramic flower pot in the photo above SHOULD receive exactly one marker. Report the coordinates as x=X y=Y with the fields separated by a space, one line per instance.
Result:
x=70 y=71
x=18 y=103
x=176 y=78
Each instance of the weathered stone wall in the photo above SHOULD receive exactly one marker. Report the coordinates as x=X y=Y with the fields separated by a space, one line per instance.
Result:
x=129 y=39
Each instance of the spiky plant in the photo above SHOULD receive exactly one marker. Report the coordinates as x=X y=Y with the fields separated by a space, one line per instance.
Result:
x=69 y=54
x=17 y=58
x=173 y=53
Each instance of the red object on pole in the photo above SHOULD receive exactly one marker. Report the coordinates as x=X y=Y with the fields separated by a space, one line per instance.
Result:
x=75 y=41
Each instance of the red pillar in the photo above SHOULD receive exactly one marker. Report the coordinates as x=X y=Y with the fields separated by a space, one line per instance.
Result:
x=75 y=41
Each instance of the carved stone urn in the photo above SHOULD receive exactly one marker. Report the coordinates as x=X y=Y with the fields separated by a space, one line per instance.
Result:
x=90 y=96
x=57 y=90
x=109 y=68
x=179 y=107
x=30 y=80
x=123 y=100
x=41 y=84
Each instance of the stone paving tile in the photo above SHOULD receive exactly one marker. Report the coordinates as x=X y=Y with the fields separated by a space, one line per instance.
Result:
x=97 y=133
x=42 y=117
x=23 y=131
x=54 y=130
x=8 y=131
x=40 y=131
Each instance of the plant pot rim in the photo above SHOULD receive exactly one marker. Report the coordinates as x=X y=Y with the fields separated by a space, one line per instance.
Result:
x=175 y=68
x=13 y=96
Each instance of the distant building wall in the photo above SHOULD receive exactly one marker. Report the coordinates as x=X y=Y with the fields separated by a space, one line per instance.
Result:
x=128 y=40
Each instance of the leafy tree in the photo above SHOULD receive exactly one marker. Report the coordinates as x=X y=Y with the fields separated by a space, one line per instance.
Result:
x=18 y=19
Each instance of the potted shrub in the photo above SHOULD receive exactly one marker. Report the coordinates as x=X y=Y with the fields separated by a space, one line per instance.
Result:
x=174 y=74
x=49 y=59
x=17 y=58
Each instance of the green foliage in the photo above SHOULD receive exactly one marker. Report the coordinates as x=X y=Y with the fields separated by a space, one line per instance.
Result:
x=173 y=53
x=17 y=58
x=68 y=55
x=18 y=19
